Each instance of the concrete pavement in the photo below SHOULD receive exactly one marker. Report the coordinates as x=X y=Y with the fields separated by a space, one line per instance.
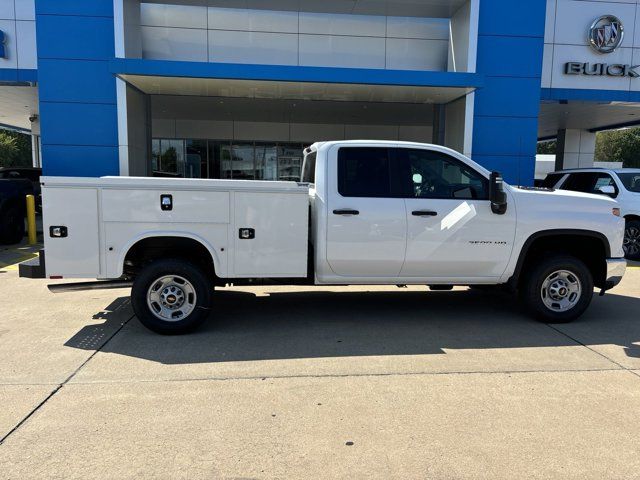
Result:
x=281 y=381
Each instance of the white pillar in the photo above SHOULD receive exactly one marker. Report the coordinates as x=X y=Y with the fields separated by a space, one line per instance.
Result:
x=576 y=149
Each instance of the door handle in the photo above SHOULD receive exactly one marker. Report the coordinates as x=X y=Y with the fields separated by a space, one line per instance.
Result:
x=346 y=211
x=424 y=213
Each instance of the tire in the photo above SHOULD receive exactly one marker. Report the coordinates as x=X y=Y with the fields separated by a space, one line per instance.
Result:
x=11 y=225
x=171 y=297
x=558 y=289
x=632 y=240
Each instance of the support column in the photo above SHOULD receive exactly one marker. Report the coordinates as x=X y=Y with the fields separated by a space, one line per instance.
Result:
x=576 y=149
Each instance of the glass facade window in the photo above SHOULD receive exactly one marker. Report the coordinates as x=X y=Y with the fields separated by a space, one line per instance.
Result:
x=193 y=158
x=196 y=161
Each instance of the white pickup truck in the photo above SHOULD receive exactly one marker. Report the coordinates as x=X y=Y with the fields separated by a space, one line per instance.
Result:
x=366 y=212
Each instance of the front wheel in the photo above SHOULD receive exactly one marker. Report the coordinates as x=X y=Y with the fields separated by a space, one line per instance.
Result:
x=558 y=289
x=631 y=243
x=171 y=297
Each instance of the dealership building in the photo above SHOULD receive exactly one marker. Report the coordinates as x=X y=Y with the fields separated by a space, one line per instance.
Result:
x=237 y=88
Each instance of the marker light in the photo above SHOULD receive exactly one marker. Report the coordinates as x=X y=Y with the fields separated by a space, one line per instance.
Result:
x=615 y=211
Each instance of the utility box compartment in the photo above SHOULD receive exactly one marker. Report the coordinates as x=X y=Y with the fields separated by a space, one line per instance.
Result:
x=271 y=234
x=73 y=215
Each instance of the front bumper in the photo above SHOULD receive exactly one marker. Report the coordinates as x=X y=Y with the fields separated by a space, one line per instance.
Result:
x=616 y=268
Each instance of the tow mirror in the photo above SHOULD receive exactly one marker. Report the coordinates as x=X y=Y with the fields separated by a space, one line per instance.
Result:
x=607 y=190
x=497 y=194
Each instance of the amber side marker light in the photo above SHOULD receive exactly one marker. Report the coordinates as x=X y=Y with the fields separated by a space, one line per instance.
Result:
x=615 y=211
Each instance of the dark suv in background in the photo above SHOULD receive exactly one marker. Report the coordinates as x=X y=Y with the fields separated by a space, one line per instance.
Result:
x=15 y=184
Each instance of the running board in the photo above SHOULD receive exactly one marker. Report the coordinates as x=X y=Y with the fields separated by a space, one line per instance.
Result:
x=98 y=285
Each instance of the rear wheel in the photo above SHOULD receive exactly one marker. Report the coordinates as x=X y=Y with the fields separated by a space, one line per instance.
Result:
x=558 y=289
x=631 y=242
x=171 y=297
x=11 y=225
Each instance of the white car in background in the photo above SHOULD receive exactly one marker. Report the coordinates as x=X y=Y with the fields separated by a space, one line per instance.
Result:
x=621 y=184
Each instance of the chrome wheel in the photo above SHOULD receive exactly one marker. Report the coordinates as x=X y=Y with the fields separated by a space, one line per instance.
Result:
x=561 y=291
x=631 y=242
x=171 y=298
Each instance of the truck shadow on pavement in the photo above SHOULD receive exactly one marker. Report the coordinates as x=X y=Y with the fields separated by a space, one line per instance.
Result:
x=316 y=324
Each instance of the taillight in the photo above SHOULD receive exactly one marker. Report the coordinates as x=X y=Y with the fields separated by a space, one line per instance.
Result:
x=615 y=211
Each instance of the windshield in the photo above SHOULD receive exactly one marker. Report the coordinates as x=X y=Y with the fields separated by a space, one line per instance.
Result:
x=631 y=181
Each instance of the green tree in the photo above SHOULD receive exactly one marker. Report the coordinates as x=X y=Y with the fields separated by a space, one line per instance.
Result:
x=619 y=146
x=547 y=148
x=15 y=149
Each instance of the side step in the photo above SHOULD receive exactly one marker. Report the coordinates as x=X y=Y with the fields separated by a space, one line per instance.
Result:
x=34 y=268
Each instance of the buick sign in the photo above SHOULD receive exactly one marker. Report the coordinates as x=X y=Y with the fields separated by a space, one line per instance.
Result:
x=606 y=34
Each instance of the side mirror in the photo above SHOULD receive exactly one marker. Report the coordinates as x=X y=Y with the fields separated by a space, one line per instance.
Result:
x=607 y=190
x=497 y=194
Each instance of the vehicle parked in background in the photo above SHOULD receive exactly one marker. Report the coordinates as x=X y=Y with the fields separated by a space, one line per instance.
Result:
x=25 y=173
x=366 y=212
x=13 y=209
x=621 y=184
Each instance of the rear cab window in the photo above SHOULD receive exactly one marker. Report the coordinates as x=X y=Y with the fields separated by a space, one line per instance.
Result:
x=309 y=168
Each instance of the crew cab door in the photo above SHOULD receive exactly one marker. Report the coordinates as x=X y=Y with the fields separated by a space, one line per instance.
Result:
x=452 y=232
x=366 y=224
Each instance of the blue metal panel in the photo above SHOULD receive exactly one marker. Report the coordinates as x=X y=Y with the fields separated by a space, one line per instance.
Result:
x=74 y=37
x=100 y=8
x=78 y=112
x=77 y=81
x=79 y=124
x=80 y=161
x=510 y=48
x=294 y=73
x=14 y=75
x=589 y=95
x=518 y=18
x=519 y=57
x=512 y=102
x=505 y=135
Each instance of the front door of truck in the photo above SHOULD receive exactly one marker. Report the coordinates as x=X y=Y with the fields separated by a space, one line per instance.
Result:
x=366 y=224
x=451 y=230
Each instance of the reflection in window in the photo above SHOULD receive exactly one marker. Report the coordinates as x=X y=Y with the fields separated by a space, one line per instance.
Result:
x=223 y=159
x=242 y=162
x=195 y=165
x=266 y=162
x=437 y=175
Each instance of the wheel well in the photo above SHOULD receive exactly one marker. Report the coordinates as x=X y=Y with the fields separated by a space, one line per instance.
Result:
x=632 y=217
x=590 y=249
x=154 y=248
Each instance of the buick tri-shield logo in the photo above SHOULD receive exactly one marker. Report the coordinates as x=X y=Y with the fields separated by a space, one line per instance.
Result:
x=606 y=34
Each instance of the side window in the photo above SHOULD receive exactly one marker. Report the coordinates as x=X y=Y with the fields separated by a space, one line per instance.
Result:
x=552 y=179
x=363 y=172
x=579 y=182
x=589 y=182
x=309 y=168
x=604 y=180
x=432 y=174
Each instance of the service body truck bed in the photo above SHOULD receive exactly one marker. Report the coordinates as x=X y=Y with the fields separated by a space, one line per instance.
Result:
x=105 y=217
